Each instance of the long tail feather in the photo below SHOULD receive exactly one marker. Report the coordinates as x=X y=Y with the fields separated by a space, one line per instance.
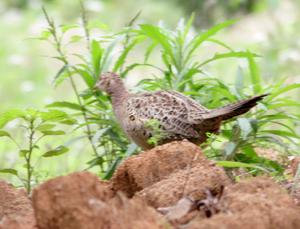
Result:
x=234 y=109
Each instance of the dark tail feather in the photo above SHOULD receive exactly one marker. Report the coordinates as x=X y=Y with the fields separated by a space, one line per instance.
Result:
x=234 y=109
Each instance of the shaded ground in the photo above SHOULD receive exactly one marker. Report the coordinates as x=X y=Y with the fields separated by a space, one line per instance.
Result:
x=171 y=186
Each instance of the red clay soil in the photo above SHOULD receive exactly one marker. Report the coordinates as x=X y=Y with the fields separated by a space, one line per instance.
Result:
x=187 y=182
x=16 y=211
x=152 y=166
x=176 y=178
x=254 y=203
x=81 y=200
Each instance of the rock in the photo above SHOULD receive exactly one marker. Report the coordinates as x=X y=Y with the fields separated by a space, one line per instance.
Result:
x=81 y=200
x=253 y=203
x=16 y=211
x=149 y=167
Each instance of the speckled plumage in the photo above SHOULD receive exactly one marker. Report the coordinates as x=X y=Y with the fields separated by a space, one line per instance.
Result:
x=179 y=116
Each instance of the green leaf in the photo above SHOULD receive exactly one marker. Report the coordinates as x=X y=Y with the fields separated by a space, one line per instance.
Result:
x=61 y=75
x=53 y=132
x=44 y=127
x=236 y=164
x=65 y=28
x=254 y=74
x=230 y=149
x=68 y=121
x=65 y=104
x=10 y=115
x=23 y=152
x=282 y=133
x=56 y=152
x=156 y=34
x=188 y=25
x=198 y=40
x=220 y=43
x=249 y=151
x=97 y=52
x=131 y=149
x=149 y=50
x=54 y=115
x=112 y=168
x=96 y=24
x=10 y=171
x=282 y=90
x=99 y=134
x=245 y=127
x=44 y=35
x=219 y=56
x=239 y=80
x=121 y=60
x=86 y=76
x=4 y=133
x=284 y=103
x=75 y=38
x=109 y=54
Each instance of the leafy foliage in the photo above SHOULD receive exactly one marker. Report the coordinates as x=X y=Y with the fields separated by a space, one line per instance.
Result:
x=36 y=125
x=179 y=67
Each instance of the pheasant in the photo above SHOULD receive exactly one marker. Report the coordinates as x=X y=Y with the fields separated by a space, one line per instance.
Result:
x=179 y=117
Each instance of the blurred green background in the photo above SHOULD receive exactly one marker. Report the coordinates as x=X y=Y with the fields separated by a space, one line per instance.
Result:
x=270 y=28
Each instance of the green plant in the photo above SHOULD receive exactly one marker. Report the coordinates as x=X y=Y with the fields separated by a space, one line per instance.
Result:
x=93 y=107
x=35 y=126
x=180 y=69
x=269 y=126
x=157 y=133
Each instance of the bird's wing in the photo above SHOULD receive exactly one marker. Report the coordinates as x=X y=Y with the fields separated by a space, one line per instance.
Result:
x=195 y=110
x=170 y=109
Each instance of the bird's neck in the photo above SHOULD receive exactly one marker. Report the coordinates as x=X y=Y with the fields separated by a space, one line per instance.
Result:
x=119 y=95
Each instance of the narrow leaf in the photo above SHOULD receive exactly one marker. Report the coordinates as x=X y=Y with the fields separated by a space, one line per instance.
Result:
x=65 y=104
x=53 y=132
x=53 y=115
x=60 y=75
x=254 y=74
x=236 y=164
x=10 y=115
x=23 y=152
x=56 y=152
x=198 y=40
x=283 y=90
x=43 y=127
x=112 y=168
x=4 y=133
x=10 y=171
x=219 y=56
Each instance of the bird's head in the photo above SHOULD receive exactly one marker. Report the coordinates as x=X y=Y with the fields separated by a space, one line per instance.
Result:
x=109 y=82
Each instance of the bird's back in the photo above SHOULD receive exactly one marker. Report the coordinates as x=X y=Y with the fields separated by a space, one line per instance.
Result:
x=173 y=111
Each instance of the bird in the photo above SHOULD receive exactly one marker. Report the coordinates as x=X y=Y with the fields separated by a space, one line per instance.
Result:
x=178 y=116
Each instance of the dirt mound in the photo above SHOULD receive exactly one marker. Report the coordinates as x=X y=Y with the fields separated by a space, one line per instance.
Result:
x=81 y=200
x=15 y=208
x=255 y=203
x=186 y=182
x=141 y=171
x=172 y=186
x=68 y=201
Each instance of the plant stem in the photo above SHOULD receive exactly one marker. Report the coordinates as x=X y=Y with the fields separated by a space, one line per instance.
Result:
x=57 y=41
x=28 y=157
x=85 y=25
